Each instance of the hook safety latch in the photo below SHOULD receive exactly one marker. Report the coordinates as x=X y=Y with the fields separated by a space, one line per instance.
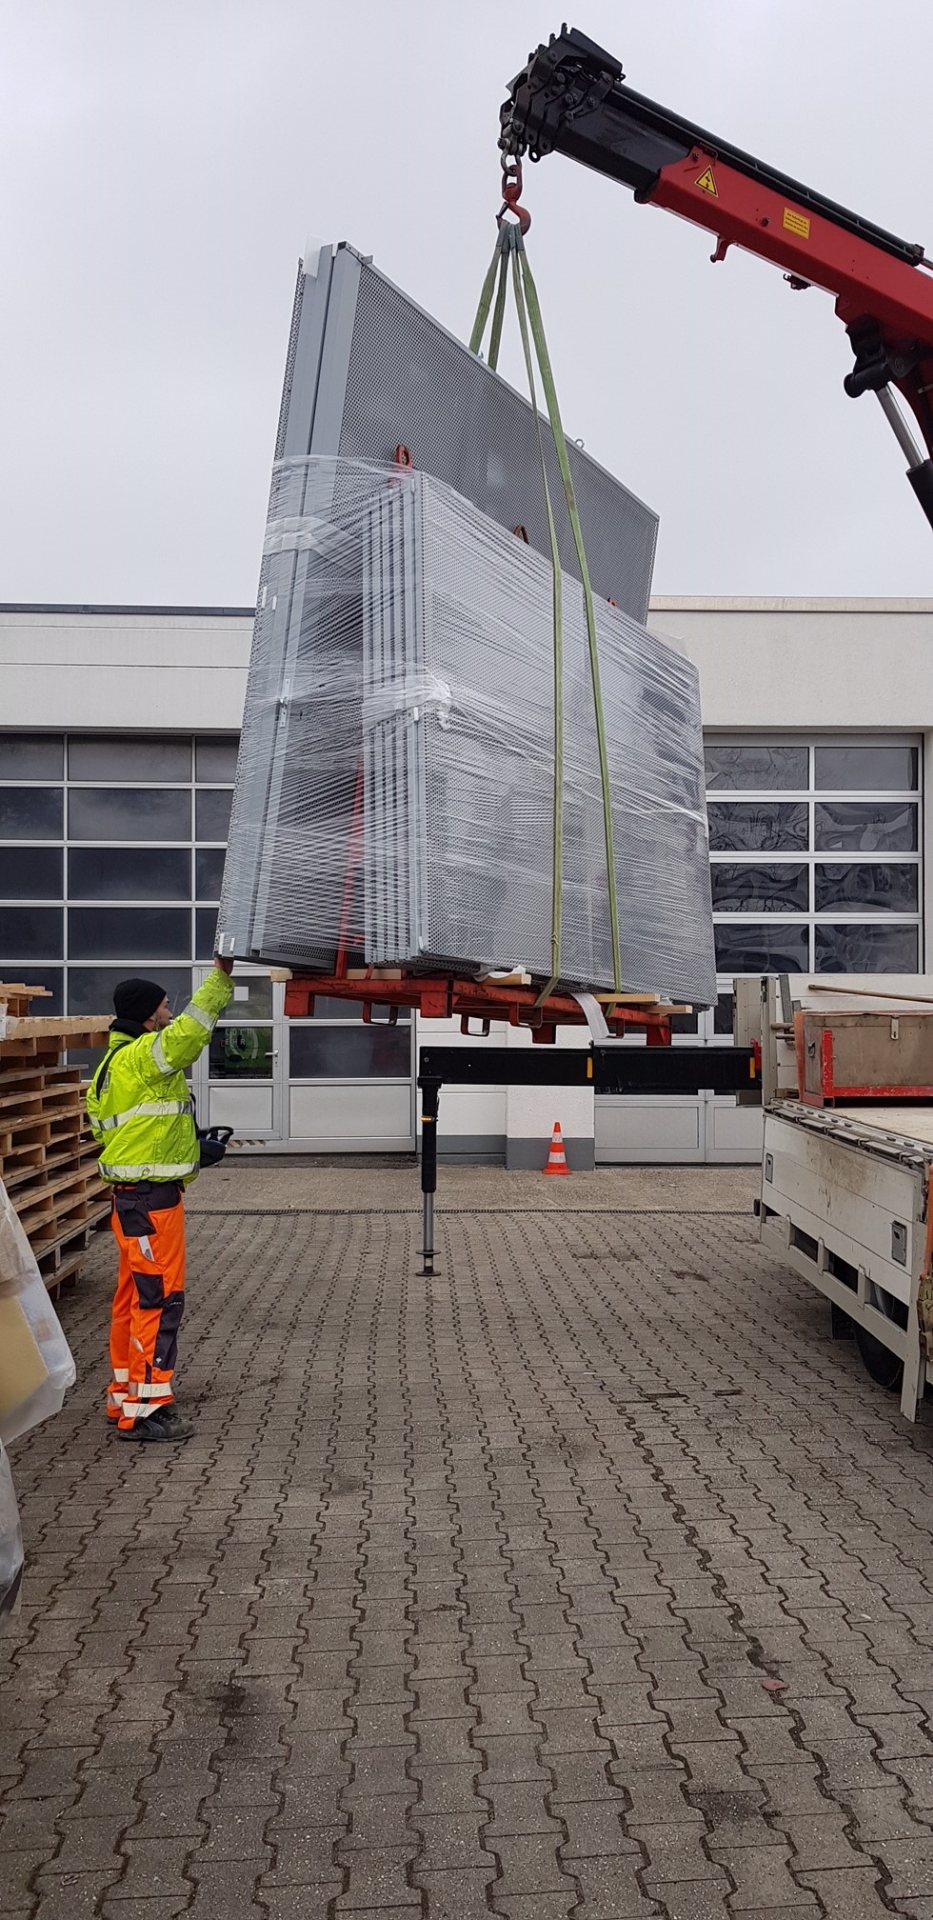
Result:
x=511 y=195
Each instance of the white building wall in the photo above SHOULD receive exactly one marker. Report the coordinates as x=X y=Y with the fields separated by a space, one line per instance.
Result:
x=104 y=670
x=808 y=664
x=783 y=665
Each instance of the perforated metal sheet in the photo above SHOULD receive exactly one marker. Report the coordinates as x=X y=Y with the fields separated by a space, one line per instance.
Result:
x=395 y=785
x=459 y=791
x=366 y=371
x=369 y=370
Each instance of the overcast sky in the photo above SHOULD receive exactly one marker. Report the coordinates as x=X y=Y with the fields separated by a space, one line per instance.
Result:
x=165 y=160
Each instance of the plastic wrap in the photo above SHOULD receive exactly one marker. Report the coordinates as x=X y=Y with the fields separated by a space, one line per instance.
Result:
x=36 y=1367
x=11 y=1539
x=394 y=792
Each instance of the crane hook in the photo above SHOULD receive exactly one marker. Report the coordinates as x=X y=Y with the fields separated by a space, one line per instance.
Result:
x=511 y=192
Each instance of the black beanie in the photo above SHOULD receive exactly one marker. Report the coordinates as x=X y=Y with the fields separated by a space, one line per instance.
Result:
x=137 y=999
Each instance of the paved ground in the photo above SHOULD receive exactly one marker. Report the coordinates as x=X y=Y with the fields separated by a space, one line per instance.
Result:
x=285 y=1185
x=590 y=1578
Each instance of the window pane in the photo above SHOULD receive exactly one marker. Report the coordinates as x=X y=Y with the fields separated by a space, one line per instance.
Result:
x=866 y=826
x=350 y=1053
x=241 y=1053
x=685 y=1023
x=129 y=933
x=252 y=999
x=128 y=873
x=876 y=889
x=52 y=977
x=749 y=888
x=209 y=872
x=724 y=1014
x=31 y=813
x=758 y=826
x=745 y=769
x=892 y=769
x=213 y=814
x=205 y=932
x=31 y=933
x=31 y=756
x=142 y=757
x=877 y=949
x=215 y=759
x=129 y=813
x=30 y=873
x=765 y=948
x=90 y=989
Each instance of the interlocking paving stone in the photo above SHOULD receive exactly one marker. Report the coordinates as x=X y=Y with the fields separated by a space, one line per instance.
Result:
x=589 y=1577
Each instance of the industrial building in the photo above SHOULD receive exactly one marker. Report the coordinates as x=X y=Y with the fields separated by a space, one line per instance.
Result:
x=118 y=735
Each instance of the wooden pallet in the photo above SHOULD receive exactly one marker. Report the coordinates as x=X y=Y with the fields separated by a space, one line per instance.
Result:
x=17 y=998
x=24 y=1173
x=62 y=1259
x=48 y=1158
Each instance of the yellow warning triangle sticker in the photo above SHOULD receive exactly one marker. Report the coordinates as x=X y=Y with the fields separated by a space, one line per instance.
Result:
x=707 y=184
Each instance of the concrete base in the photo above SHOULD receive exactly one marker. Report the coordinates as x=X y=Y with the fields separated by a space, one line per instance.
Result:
x=471 y=1149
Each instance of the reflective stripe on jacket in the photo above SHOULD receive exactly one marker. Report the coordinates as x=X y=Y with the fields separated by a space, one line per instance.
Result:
x=140 y=1107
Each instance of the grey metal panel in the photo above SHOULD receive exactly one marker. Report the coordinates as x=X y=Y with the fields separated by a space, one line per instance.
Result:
x=367 y=370
x=418 y=660
x=337 y=347
x=380 y=372
x=305 y=348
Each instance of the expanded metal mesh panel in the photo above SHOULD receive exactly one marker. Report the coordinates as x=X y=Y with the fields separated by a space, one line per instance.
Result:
x=395 y=788
x=371 y=371
x=409 y=381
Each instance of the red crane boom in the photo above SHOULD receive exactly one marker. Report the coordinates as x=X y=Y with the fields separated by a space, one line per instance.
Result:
x=570 y=98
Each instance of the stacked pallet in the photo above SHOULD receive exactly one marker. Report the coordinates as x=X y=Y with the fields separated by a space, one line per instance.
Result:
x=48 y=1159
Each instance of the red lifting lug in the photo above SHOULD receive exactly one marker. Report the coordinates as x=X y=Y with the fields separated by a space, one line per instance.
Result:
x=511 y=194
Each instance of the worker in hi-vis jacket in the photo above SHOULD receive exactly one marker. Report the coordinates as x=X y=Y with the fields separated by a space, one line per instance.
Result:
x=142 y=1117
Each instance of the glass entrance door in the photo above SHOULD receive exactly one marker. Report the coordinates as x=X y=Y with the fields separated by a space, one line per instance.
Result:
x=238 y=1082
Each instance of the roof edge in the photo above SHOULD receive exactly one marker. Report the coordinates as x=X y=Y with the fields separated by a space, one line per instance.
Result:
x=143 y=611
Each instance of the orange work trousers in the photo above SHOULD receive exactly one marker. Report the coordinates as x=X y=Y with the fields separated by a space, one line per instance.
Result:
x=148 y=1222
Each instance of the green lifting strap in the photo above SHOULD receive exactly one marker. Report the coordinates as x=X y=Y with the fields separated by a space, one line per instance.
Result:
x=557 y=579
x=531 y=327
x=498 y=264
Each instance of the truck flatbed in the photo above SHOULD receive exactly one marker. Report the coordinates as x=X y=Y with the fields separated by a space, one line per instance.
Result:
x=845 y=1201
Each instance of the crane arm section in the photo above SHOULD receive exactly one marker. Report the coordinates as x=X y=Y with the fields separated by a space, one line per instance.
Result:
x=571 y=99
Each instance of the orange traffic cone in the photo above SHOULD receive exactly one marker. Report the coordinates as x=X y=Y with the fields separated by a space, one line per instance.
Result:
x=557 y=1158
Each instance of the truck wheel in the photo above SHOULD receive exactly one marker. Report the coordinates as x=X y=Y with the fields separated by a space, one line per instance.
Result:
x=878 y=1360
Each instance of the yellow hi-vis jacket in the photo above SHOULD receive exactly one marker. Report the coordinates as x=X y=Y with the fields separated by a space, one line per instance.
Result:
x=140 y=1107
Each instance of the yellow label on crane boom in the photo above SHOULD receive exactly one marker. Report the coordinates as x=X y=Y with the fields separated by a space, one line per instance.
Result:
x=796 y=223
x=707 y=184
